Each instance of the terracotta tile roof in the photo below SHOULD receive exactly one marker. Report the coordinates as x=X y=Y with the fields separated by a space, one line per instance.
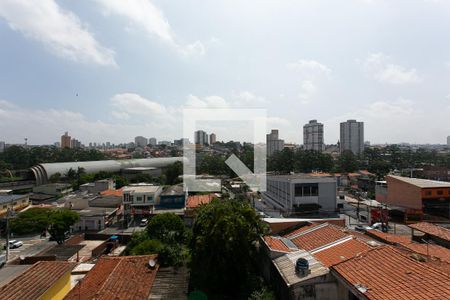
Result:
x=387 y=237
x=385 y=273
x=435 y=251
x=340 y=252
x=299 y=230
x=319 y=237
x=126 y=277
x=276 y=244
x=196 y=200
x=431 y=229
x=32 y=283
x=117 y=193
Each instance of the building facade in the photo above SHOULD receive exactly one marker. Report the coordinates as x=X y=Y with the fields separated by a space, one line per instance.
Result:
x=65 y=140
x=140 y=199
x=313 y=136
x=212 y=138
x=352 y=136
x=201 y=137
x=13 y=202
x=140 y=141
x=152 y=141
x=273 y=143
x=301 y=193
x=2 y=146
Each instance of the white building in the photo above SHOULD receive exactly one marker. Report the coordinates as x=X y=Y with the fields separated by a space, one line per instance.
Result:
x=273 y=143
x=2 y=146
x=301 y=193
x=352 y=136
x=152 y=141
x=313 y=136
x=140 y=141
x=98 y=186
x=448 y=142
x=140 y=199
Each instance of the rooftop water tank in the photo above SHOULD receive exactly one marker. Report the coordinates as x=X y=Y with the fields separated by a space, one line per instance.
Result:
x=302 y=267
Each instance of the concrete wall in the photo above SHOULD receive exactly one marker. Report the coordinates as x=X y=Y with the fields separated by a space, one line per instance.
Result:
x=327 y=196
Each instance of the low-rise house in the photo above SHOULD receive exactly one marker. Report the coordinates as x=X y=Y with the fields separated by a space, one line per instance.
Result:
x=95 y=218
x=173 y=197
x=98 y=186
x=44 y=280
x=54 y=189
x=140 y=199
x=13 y=202
x=194 y=201
x=429 y=231
x=387 y=273
x=122 y=277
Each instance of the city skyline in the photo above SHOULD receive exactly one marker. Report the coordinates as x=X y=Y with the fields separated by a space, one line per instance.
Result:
x=100 y=70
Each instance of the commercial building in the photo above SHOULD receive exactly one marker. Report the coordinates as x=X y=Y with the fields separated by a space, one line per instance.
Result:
x=140 y=199
x=273 y=143
x=301 y=193
x=140 y=141
x=65 y=140
x=173 y=197
x=415 y=197
x=13 y=202
x=313 y=136
x=352 y=137
x=212 y=138
x=152 y=141
x=44 y=280
x=201 y=137
x=54 y=189
x=75 y=144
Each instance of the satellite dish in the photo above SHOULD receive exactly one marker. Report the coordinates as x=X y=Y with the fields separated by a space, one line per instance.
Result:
x=151 y=263
x=21 y=257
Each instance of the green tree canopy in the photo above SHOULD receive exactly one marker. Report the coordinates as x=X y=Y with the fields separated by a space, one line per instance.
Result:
x=224 y=243
x=173 y=172
x=166 y=227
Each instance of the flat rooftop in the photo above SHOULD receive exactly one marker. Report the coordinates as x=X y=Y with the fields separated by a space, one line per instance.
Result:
x=289 y=177
x=141 y=188
x=422 y=183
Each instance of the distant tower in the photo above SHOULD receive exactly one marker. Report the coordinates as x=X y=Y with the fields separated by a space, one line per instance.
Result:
x=352 y=136
x=26 y=141
x=212 y=138
x=65 y=140
x=313 y=136
x=273 y=143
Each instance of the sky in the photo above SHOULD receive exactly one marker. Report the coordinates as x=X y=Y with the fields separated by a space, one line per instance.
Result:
x=110 y=70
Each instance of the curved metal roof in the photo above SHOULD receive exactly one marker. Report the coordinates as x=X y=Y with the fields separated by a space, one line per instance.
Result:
x=43 y=172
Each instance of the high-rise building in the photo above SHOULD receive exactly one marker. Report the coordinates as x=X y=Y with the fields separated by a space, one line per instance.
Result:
x=152 y=141
x=74 y=143
x=313 y=136
x=352 y=136
x=212 y=138
x=2 y=146
x=65 y=140
x=273 y=142
x=140 y=141
x=201 y=137
x=448 y=142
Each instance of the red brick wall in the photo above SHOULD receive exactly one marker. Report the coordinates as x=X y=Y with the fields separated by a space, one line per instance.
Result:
x=403 y=194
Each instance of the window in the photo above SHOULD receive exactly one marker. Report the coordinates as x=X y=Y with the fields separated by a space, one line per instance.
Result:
x=139 y=199
x=306 y=189
x=428 y=193
x=440 y=192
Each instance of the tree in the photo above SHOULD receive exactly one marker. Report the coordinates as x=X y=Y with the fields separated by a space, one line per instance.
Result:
x=71 y=174
x=348 y=162
x=167 y=227
x=55 y=177
x=33 y=220
x=120 y=181
x=224 y=247
x=59 y=223
x=173 y=172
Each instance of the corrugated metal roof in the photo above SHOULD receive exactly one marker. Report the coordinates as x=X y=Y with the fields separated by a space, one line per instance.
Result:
x=422 y=183
x=10 y=198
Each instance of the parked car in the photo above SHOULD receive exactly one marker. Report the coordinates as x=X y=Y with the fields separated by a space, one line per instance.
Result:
x=14 y=244
x=362 y=227
x=2 y=260
x=143 y=223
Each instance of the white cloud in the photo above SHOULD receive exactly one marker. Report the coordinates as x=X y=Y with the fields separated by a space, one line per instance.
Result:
x=145 y=15
x=135 y=104
x=243 y=99
x=120 y=115
x=60 y=31
x=307 y=90
x=380 y=67
x=310 y=69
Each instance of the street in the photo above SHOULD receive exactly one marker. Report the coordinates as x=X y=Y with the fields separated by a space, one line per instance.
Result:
x=32 y=245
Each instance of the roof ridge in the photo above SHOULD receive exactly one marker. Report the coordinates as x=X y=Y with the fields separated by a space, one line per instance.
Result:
x=332 y=244
x=294 y=236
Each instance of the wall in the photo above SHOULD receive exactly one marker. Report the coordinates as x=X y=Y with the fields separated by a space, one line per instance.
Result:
x=403 y=194
x=20 y=203
x=59 y=289
x=327 y=196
